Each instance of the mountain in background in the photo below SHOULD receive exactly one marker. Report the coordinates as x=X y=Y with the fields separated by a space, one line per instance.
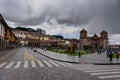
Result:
x=31 y=30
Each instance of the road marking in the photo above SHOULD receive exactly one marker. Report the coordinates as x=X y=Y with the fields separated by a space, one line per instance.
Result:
x=110 y=76
x=48 y=64
x=90 y=71
x=60 y=63
x=33 y=63
x=9 y=65
x=29 y=57
x=102 y=73
x=110 y=72
x=40 y=63
x=53 y=63
x=3 y=64
x=18 y=64
x=68 y=64
x=26 y=64
x=103 y=68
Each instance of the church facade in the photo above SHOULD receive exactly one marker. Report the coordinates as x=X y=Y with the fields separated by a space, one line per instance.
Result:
x=94 y=41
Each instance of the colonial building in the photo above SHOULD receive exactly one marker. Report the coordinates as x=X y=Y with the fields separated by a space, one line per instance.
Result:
x=2 y=33
x=72 y=43
x=2 y=30
x=21 y=36
x=94 y=41
x=34 y=39
x=7 y=38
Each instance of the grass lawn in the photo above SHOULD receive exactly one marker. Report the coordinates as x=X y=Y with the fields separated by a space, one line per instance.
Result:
x=114 y=56
x=69 y=53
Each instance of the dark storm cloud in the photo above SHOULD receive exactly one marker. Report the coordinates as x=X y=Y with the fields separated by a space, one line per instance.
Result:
x=107 y=17
x=92 y=14
x=64 y=11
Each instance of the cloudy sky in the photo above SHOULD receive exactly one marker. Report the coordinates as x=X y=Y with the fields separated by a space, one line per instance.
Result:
x=65 y=17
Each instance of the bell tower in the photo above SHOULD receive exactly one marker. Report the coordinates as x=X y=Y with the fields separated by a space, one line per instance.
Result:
x=104 y=40
x=83 y=38
x=104 y=35
x=83 y=34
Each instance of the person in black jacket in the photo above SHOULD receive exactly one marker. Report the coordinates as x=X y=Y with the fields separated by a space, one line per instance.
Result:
x=110 y=56
x=79 y=54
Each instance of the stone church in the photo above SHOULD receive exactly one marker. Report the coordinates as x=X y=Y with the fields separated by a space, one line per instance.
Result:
x=94 y=41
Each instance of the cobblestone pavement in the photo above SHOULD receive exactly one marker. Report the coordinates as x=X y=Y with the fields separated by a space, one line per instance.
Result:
x=58 y=73
x=103 y=72
x=24 y=64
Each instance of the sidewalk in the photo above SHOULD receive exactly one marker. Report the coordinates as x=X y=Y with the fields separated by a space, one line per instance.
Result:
x=93 y=58
x=57 y=56
x=6 y=51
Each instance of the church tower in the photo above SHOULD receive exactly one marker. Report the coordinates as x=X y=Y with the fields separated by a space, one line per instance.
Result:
x=83 y=34
x=83 y=38
x=104 y=40
x=104 y=34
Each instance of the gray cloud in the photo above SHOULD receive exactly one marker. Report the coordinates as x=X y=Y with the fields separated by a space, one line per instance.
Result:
x=94 y=15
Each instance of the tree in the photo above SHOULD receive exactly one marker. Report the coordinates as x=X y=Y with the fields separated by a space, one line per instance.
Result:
x=41 y=31
x=87 y=47
x=25 y=29
x=58 y=36
x=31 y=30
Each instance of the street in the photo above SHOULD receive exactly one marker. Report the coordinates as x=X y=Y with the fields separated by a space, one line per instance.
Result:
x=59 y=40
x=24 y=64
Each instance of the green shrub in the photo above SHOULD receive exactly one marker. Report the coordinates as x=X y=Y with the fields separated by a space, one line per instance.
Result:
x=68 y=52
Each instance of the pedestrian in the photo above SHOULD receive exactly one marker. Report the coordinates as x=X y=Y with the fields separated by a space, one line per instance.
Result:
x=117 y=56
x=100 y=51
x=97 y=51
x=106 y=52
x=79 y=54
x=45 y=49
x=110 y=56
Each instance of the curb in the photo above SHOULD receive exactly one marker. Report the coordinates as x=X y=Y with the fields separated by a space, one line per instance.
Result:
x=77 y=62
x=57 y=59
x=106 y=63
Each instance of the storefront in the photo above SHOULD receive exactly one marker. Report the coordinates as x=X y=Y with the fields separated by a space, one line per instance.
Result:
x=3 y=44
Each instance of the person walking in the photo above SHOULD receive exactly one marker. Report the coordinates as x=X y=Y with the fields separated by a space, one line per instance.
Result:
x=79 y=54
x=110 y=56
x=45 y=49
x=117 y=56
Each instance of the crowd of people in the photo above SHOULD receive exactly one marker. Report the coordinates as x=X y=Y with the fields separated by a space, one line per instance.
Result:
x=111 y=54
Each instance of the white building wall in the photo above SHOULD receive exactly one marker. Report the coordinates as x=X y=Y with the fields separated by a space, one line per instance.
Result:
x=20 y=34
